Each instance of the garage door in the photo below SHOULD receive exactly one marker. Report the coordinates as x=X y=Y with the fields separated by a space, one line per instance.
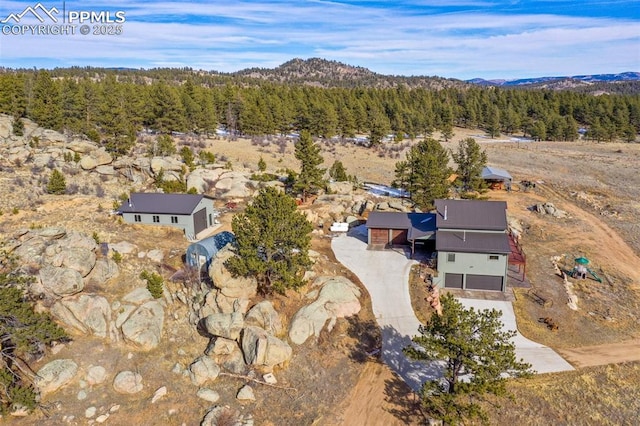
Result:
x=398 y=236
x=379 y=236
x=484 y=282
x=200 y=220
x=453 y=280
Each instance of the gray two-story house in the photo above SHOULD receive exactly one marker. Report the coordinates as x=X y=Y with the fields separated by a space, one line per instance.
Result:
x=472 y=244
x=189 y=212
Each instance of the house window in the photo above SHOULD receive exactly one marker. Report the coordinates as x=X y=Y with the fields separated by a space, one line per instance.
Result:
x=494 y=257
x=210 y=220
x=137 y=218
x=451 y=257
x=156 y=219
x=174 y=219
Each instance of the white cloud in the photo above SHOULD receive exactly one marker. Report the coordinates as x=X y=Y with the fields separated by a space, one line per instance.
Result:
x=395 y=39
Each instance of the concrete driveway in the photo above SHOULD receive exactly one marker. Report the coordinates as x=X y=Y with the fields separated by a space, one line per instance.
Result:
x=385 y=274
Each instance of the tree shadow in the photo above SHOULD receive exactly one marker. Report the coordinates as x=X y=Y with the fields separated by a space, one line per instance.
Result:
x=406 y=403
x=366 y=335
x=414 y=373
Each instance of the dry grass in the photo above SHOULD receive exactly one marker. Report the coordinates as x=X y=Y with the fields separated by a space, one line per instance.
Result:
x=606 y=395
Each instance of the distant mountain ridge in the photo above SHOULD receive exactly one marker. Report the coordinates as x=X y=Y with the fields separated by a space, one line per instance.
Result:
x=588 y=78
x=327 y=73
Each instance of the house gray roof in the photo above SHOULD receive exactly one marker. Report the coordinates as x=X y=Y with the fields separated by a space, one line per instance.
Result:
x=494 y=173
x=472 y=242
x=157 y=202
x=471 y=215
x=418 y=224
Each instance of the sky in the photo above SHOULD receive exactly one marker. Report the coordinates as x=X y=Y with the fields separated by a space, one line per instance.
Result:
x=460 y=39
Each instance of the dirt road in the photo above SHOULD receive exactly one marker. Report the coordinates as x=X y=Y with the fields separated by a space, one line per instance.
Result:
x=613 y=353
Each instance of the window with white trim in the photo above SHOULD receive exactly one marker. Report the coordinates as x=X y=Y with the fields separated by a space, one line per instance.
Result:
x=451 y=257
x=494 y=257
x=156 y=219
x=174 y=219
x=137 y=218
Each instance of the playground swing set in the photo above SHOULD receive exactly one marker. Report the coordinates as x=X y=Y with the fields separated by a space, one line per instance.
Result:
x=580 y=269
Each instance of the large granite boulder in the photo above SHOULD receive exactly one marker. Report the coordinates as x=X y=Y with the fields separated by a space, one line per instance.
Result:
x=128 y=382
x=238 y=287
x=166 y=164
x=60 y=282
x=263 y=315
x=103 y=270
x=77 y=258
x=261 y=348
x=201 y=179
x=143 y=328
x=85 y=313
x=224 y=325
x=337 y=298
x=55 y=375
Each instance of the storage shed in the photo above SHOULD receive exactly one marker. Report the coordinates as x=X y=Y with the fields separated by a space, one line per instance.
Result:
x=496 y=178
x=201 y=253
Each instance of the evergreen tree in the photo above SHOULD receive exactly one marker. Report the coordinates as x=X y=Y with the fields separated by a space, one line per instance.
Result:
x=17 y=126
x=476 y=353
x=24 y=334
x=114 y=120
x=492 y=124
x=166 y=106
x=272 y=242
x=45 y=108
x=162 y=146
x=57 y=183
x=262 y=165
x=309 y=179
x=155 y=283
x=425 y=173
x=470 y=160
x=338 y=172
x=187 y=157
x=378 y=125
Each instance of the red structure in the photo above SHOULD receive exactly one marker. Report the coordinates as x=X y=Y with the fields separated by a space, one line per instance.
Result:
x=517 y=256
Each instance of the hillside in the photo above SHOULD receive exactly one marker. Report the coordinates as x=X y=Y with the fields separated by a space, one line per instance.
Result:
x=324 y=73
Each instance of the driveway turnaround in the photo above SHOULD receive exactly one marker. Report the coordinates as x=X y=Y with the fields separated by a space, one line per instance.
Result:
x=385 y=274
x=542 y=358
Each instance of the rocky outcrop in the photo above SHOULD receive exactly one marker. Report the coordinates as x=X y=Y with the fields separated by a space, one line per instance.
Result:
x=201 y=179
x=230 y=288
x=103 y=270
x=262 y=349
x=341 y=188
x=143 y=328
x=233 y=185
x=60 y=282
x=337 y=298
x=98 y=157
x=224 y=325
x=549 y=209
x=55 y=375
x=263 y=315
x=85 y=313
